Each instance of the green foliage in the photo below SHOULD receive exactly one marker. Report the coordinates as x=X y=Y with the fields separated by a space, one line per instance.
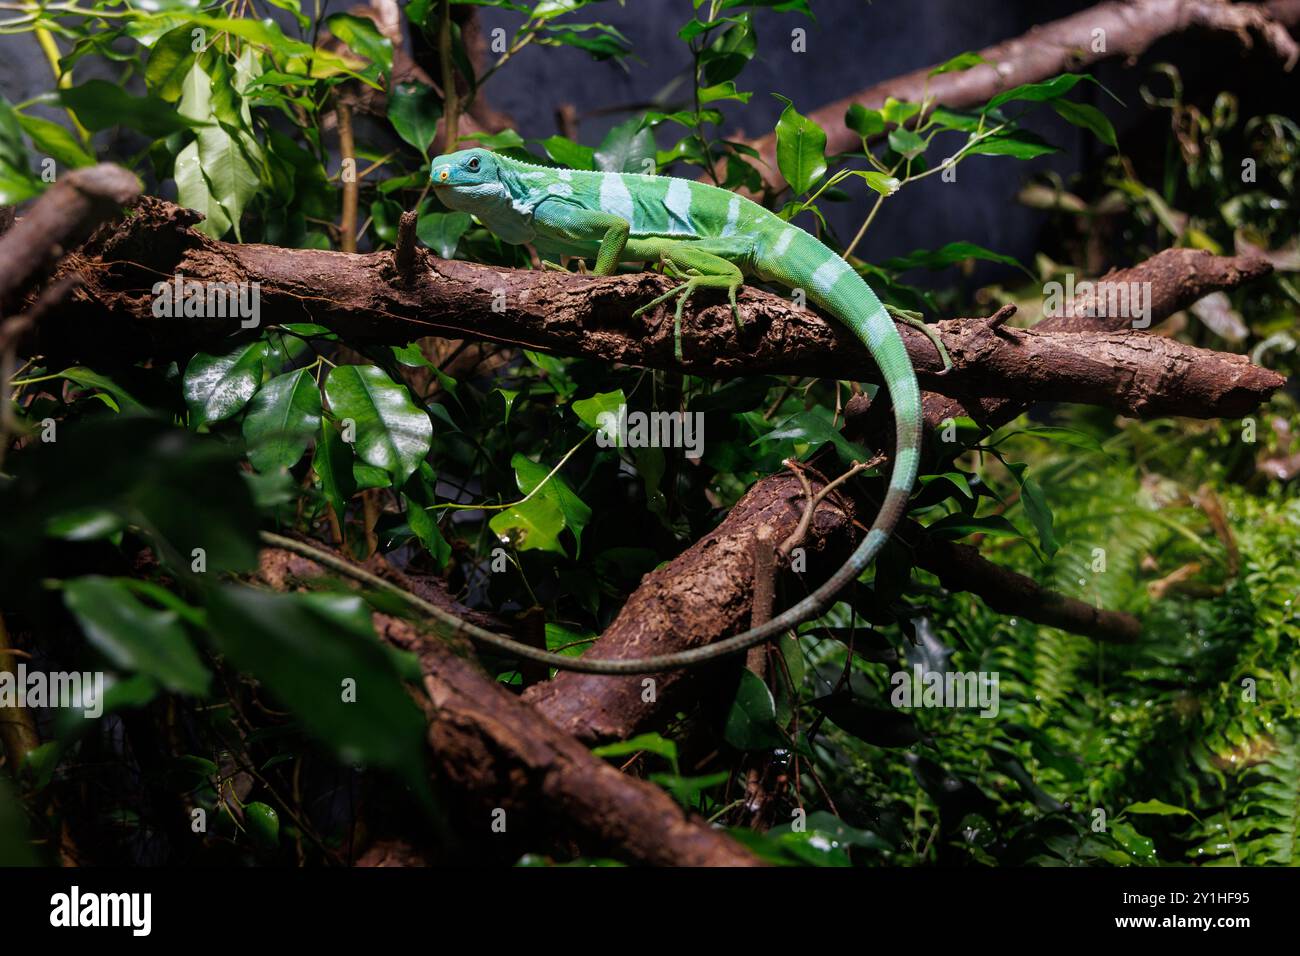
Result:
x=130 y=534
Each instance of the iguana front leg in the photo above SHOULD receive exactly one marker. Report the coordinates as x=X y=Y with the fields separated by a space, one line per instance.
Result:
x=560 y=220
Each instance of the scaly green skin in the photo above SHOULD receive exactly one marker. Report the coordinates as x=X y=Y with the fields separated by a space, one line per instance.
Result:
x=709 y=238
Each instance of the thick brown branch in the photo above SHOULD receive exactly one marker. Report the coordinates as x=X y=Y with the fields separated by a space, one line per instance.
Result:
x=364 y=298
x=75 y=205
x=598 y=708
x=1176 y=278
x=493 y=750
x=1127 y=29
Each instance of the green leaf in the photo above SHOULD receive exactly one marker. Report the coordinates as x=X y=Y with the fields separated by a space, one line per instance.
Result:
x=88 y=378
x=414 y=110
x=392 y=432
x=884 y=727
x=533 y=525
x=728 y=53
x=230 y=159
x=170 y=60
x=800 y=148
x=906 y=143
x=590 y=410
x=55 y=141
x=427 y=530
x=649 y=742
x=960 y=525
x=1021 y=144
x=529 y=474
x=959 y=63
x=363 y=38
x=281 y=420
x=263 y=823
x=217 y=386
x=195 y=192
x=318 y=654
x=866 y=123
x=951 y=254
x=16 y=180
x=723 y=91
x=1042 y=92
x=568 y=153
x=441 y=231
x=812 y=429
x=898 y=112
x=100 y=105
x=627 y=148
x=136 y=637
x=1066 y=436
x=333 y=465
x=1040 y=513
x=1157 y=808
x=751 y=722
x=1089 y=118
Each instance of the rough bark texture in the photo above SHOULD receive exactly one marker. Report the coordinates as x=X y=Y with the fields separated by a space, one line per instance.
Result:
x=1061 y=46
x=76 y=204
x=1177 y=277
x=705 y=593
x=366 y=298
x=495 y=752
x=597 y=708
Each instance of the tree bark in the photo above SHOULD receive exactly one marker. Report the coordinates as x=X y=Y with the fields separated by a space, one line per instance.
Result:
x=496 y=754
x=370 y=298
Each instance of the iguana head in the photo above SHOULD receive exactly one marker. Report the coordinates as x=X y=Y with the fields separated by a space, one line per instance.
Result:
x=482 y=184
x=463 y=177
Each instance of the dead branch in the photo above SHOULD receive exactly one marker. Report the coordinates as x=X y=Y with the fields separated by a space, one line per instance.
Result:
x=366 y=298
x=1105 y=31
x=63 y=216
x=493 y=750
x=601 y=708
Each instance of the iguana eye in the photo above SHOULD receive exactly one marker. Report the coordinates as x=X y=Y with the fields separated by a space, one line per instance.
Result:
x=473 y=164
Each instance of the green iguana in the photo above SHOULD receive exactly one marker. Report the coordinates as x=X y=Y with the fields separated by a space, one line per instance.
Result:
x=707 y=238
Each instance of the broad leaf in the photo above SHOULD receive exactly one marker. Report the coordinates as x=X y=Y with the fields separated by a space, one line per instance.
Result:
x=318 y=654
x=800 y=148
x=136 y=637
x=281 y=420
x=392 y=433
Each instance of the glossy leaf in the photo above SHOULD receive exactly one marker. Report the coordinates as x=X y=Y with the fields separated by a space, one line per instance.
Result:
x=751 y=722
x=136 y=637
x=218 y=386
x=627 y=148
x=800 y=148
x=442 y=231
x=282 y=418
x=318 y=654
x=392 y=433
x=414 y=110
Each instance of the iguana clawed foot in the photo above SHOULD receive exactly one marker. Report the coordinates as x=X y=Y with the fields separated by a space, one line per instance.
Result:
x=694 y=280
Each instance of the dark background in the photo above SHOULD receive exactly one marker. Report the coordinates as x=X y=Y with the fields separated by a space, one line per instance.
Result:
x=851 y=45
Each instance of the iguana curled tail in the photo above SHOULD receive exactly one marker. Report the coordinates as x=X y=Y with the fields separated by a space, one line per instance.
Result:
x=707 y=238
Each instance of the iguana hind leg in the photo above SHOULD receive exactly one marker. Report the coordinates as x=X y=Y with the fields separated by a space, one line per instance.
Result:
x=700 y=270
